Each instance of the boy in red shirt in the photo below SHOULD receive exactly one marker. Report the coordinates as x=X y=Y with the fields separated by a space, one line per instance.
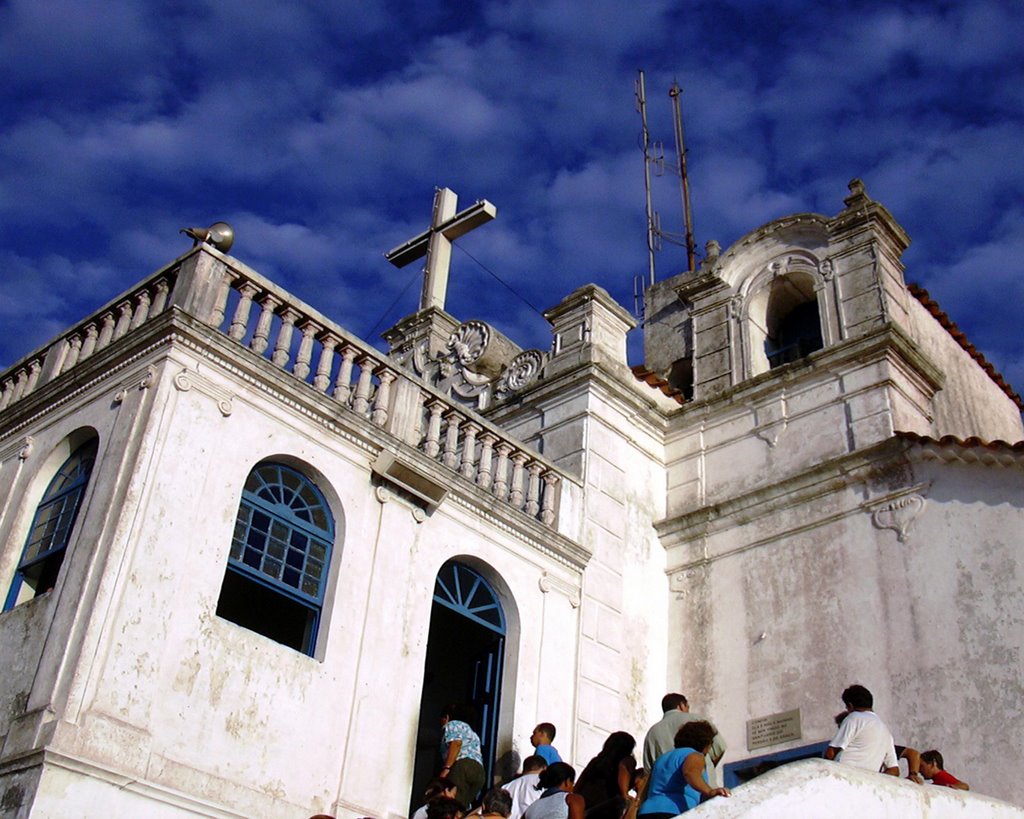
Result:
x=931 y=768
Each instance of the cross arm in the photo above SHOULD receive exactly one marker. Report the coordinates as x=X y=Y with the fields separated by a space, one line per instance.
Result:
x=459 y=225
x=410 y=251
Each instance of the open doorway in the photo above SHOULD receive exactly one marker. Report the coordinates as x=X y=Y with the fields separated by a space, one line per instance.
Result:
x=464 y=663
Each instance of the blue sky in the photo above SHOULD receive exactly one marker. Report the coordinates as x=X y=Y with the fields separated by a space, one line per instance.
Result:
x=320 y=130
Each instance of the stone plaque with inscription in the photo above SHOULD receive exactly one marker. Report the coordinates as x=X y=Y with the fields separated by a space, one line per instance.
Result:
x=774 y=729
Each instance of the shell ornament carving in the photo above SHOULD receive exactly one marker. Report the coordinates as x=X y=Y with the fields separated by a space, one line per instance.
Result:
x=469 y=341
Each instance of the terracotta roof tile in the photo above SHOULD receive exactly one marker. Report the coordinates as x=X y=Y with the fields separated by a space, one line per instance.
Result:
x=967 y=450
x=652 y=379
x=949 y=325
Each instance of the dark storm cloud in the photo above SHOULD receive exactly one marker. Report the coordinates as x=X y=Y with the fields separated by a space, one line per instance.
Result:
x=320 y=131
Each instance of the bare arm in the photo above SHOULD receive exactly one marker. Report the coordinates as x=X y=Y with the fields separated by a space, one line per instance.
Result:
x=693 y=773
x=913 y=758
x=577 y=805
x=961 y=786
x=453 y=753
x=892 y=771
x=625 y=779
x=830 y=752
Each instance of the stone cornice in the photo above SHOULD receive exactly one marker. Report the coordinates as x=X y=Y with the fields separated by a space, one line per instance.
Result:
x=803 y=488
x=889 y=340
x=618 y=388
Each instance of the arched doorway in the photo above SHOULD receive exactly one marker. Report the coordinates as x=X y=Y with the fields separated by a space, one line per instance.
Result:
x=464 y=663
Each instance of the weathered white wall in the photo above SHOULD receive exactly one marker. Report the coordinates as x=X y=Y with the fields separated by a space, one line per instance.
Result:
x=183 y=702
x=933 y=624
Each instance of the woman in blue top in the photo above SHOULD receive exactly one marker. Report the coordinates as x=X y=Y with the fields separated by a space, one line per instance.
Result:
x=677 y=781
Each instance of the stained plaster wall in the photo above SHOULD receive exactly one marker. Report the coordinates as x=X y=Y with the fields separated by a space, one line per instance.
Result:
x=605 y=434
x=590 y=416
x=47 y=636
x=802 y=597
x=177 y=698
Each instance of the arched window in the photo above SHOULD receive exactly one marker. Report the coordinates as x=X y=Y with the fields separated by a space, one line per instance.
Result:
x=48 y=537
x=280 y=552
x=794 y=331
x=784 y=317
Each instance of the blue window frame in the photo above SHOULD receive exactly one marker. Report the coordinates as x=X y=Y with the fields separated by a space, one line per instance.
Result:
x=280 y=552
x=51 y=528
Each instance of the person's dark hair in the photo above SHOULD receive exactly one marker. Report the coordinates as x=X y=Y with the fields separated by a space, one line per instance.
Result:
x=840 y=717
x=697 y=735
x=670 y=702
x=534 y=763
x=444 y=807
x=437 y=787
x=497 y=801
x=555 y=774
x=548 y=730
x=461 y=711
x=605 y=766
x=933 y=757
x=857 y=696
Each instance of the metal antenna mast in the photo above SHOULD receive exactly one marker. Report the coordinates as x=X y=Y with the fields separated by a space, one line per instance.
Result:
x=691 y=250
x=641 y=106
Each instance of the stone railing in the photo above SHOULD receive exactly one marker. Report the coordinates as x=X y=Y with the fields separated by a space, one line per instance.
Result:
x=257 y=314
x=114 y=321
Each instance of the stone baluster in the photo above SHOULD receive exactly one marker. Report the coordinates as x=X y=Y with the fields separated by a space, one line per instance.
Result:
x=33 y=376
x=143 y=304
x=451 y=439
x=89 y=344
x=322 y=379
x=261 y=335
x=533 y=491
x=343 y=383
x=432 y=446
x=501 y=470
x=220 y=303
x=361 y=400
x=382 y=399
x=106 y=331
x=517 y=496
x=547 y=509
x=283 y=348
x=305 y=355
x=468 y=467
x=483 y=475
x=240 y=321
x=20 y=382
x=72 y=355
x=161 y=289
x=7 y=393
x=124 y=321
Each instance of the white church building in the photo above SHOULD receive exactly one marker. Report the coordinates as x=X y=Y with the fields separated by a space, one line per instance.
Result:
x=246 y=557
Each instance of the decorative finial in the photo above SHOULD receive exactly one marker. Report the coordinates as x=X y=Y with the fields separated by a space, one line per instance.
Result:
x=219 y=235
x=858 y=195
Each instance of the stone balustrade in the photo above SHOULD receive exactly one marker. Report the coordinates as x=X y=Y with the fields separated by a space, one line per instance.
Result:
x=96 y=333
x=254 y=312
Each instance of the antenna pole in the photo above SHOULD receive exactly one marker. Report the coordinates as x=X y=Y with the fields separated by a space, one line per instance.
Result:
x=641 y=103
x=691 y=250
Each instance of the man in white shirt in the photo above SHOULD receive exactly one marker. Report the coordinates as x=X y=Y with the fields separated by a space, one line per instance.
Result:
x=523 y=788
x=863 y=740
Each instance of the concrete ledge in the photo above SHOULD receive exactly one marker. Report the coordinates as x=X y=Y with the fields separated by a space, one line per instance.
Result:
x=814 y=787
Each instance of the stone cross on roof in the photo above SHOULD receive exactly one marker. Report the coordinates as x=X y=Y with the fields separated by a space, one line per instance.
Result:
x=436 y=243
